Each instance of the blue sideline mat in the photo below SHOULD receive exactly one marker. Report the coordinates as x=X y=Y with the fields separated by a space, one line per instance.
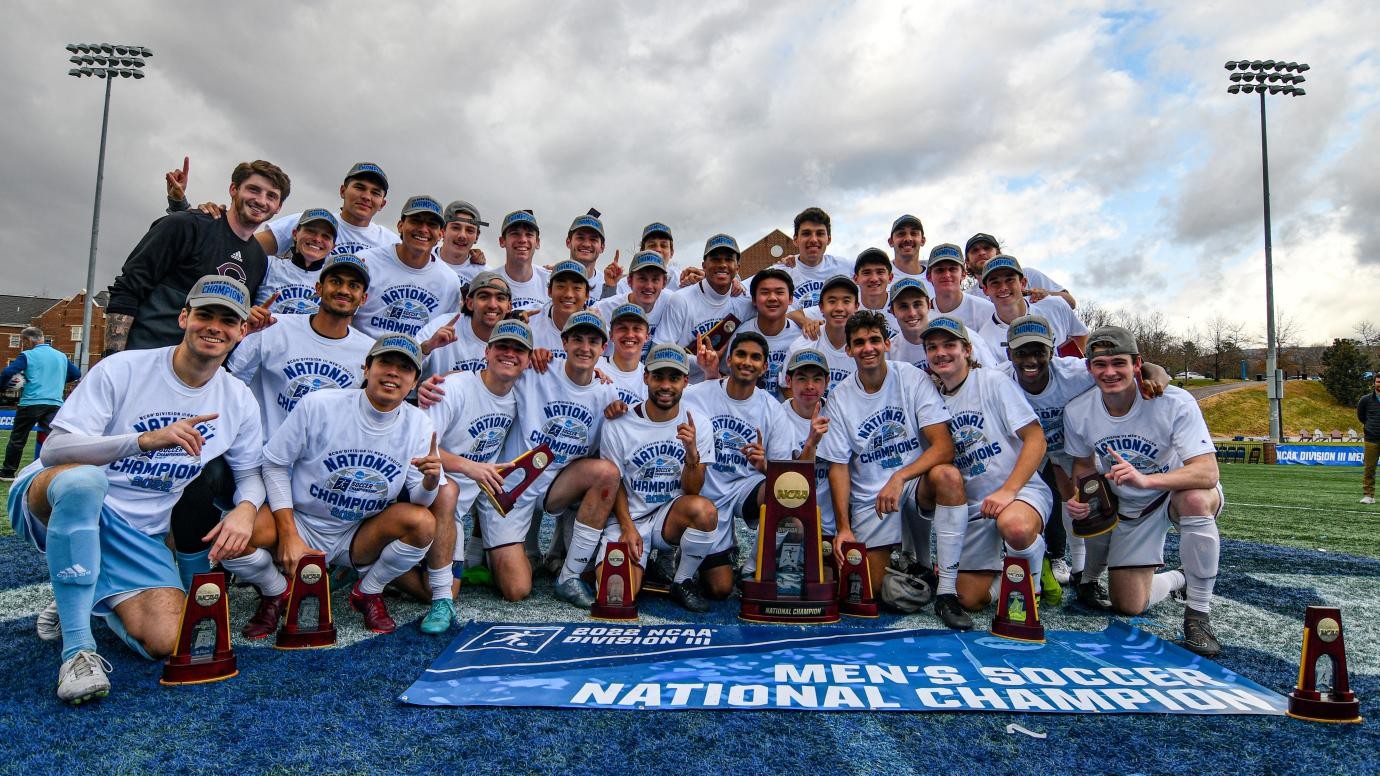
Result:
x=595 y=665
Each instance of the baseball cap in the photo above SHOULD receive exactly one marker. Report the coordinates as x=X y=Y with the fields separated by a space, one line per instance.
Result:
x=980 y=238
x=567 y=267
x=951 y=326
x=222 y=291
x=903 y=285
x=1111 y=341
x=906 y=220
x=906 y=592
x=721 y=241
x=519 y=217
x=512 y=330
x=368 y=170
x=838 y=280
x=944 y=252
x=589 y=220
x=398 y=343
x=1027 y=329
x=315 y=215
x=342 y=262
x=808 y=357
x=1001 y=262
x=871 y=256
x=460 y=210
x=647 y=260
x=423 y=203
x=668 y=355
x=656 y=227
x=629 y=310
x=585 y=319
x=491 y=280
x=772 y=273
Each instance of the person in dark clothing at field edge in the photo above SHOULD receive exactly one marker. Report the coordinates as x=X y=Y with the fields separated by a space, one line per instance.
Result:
x=1368 y=412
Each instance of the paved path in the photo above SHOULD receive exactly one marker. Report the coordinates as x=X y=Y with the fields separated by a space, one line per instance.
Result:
x=1203 y=391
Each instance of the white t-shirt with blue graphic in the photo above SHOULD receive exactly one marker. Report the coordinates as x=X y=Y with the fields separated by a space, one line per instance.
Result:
x=348 y=237
x=649 y=457
x=1068 y=378
x=402 y=299
x=295 y=287
x=289 y=360
x=987 y=411
x=472 y=422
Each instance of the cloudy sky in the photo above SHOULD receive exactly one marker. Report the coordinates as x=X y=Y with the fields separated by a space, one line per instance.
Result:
x=1096 y=140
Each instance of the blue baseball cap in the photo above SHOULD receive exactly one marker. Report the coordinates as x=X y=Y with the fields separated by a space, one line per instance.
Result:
x=656 y=227
x=903 y=285
x=951 y=326
x=721 y=241
x=368 y=170
x=587 y=221
x=999 y=263
x=423 y=203
x=585 y=319
x=568 y=267
x=398 y=343
x=629 y=310
x=342 y=262
x=808 y=357
x=1027 y=329
x=220 y=291
x=668 y=355
x=315 y=215
x=512 y=330
x=519 y=217
x=647 y=259
x=945 y=252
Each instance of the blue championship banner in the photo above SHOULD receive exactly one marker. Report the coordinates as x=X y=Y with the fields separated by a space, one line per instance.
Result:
x=1320 y=455
x=593 y=666
x=6 y=420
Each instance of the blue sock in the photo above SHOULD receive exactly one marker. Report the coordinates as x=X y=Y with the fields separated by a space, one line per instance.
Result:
x=192 y=563
x=74 y=551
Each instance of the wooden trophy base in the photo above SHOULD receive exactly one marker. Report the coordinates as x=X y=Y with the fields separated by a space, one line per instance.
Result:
x=305 y=639
x=816 y=606
x=1094 y=526
x=613 y=613
x=180 y=669
x=1328 y=707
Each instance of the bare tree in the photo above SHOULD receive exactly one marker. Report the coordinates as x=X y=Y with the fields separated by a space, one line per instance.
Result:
x=1289 y=343
x=1221 y=346
x=1151 y=330
x=1369 y=336
x=1094 y=315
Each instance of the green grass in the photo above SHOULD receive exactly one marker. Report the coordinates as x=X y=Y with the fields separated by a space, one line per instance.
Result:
x=1306 y=404
x=1200 y=382
x=1310 y=507
x=5 y=486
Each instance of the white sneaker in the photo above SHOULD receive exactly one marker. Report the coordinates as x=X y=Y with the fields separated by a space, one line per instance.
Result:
x=82 y=678
x=48 y=626
x=1062 y=572
x=1367 y=499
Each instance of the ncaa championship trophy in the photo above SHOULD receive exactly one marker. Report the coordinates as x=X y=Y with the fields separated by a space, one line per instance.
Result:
x=203 y=651
x=615 y=600
x=1018 y=613
x=308 y=622
x=719 y=334
x=1322 y=638
x=855 y=583
x=1103 y=504
x=531 y=464
x=789 y=584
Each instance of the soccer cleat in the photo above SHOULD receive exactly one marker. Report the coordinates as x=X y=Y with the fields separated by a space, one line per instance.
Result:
x=688 y=595
x=375 y=613
x=575 y=592
x=951 y=612
x=1062 y=572
x=1051 y=593
x=48 y=626
x=1093 y=597
x=82 y=678
x=439 y=619
x=265 y=619
x=1198 y=635
x=660 y=572
x=1367 y=499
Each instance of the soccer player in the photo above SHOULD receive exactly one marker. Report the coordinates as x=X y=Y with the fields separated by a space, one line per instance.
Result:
x=998 y=447
x=983 y=247
x=334 y=471
x=46 y=372
x=872 y=274
x=886 y=431
x=661 y=457
x=567 y=288
x=696 y=309
x=1159 y=460
x=945 y=273
x=812 y=267
x=657 y=237
x=520 y=239
x=628 y=329
x=457 y=247
x=807 y=377
x=291 y=281
x=647 y=283
x=909 y=303
x=1004 y=283
x=363 y=195
x=450 y=347
x=585 y=241
x=98 y=501
x=772 y=289
x=407 y=288
x=906 y=240
x=838 y=301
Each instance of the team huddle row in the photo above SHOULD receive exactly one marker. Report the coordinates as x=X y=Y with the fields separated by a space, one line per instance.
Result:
x=940 y=421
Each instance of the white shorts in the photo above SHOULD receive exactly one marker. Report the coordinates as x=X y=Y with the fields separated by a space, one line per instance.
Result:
x=983 y=548
x=725 y=533
x=499 y=531
x=882 y=532
x=335 y=541
x=1139 y=541
x=649 y=528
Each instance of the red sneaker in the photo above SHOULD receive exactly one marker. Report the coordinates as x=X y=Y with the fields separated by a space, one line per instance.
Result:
x=265 y=620
x=372 y=607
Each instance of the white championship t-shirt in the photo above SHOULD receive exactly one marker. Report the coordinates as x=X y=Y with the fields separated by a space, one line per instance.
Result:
x=630 y=386
x=465 y=354
x=1068 y=378
x=649 y=457
x=736 y=423
x=809 y=280
x=800 y=431
x=295 y=287
x=973 y=310
x=348 y=237
x=546 y=335
x=464 y=271
x=402 y=299
x=778 y=344
x=987 y=411
x=289 y=360
x=472 y=422
x=530 y=294
x=695 y=310
x=1063 y=322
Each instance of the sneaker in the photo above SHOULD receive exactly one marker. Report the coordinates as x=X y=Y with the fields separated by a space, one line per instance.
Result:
x=1198 y=635
x=688 y=595
x=6 y=478
x=82 y=678
x=372 y=607
x=48 y=626
x=439 y=619
x=1093 y=597
x=952 y=613
x=1051 y=593
x=265 y=620
x=575 y=592
x=1367 y=499
x=1062 y=571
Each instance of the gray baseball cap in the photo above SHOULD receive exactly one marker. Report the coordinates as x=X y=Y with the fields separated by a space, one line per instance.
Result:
x=903 y=285
x=221 y=291
x=398 y=343
x=944 y=252
x=511 y=330
x=491 y=280
x=808 y=357
x=951 y=326
x=346 y=261
x=1029 y=329
x=460 y=210
x=1111 y=341
x=585 y=319
x=423 y=203
x=668 y=355
x=368 y=170
x=905 y=592
x=1001 y=262
x=628 y=310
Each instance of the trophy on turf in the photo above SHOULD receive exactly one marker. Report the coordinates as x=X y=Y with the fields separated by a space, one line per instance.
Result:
x=1094 y=491
x=789 y=585
x=203 y=651
x=308 y=622
x=528 y=467
x=855 y=583
x=1322 y=638
x=719 y=334
x=1018 y=614
x=616 y=599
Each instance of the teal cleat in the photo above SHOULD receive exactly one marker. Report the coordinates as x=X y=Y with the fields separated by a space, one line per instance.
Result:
x=440 y=618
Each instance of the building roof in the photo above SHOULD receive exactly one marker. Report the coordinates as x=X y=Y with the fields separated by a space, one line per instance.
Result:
x=20 y=310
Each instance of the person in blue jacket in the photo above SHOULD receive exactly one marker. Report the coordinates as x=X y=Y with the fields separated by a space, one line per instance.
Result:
x=46 y=372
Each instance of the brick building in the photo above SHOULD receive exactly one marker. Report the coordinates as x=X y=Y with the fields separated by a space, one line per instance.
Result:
x=60 y=320
x=766 y=252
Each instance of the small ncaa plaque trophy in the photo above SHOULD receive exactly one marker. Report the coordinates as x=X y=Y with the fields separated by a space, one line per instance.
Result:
x=615 y=599
x=855 y=583
x=1094 y=491
x=1322 y=638
x=1018 y=614
x=308 y=622
x=203 y=651
x=719 y=334
x=530 y=465
x=789 y=583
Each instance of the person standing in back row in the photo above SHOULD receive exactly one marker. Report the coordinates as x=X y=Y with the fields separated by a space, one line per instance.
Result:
x=1367 y=411
x=46 y=371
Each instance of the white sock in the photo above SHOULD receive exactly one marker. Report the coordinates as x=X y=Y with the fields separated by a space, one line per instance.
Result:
x=1200 y=547
x=1078 y=551
x=950 y=523
x=694 y=546
x=439 y=580
x=750 y=562
x=1034 y=556
x=915 y=532
x=474 y=545
x=532 y=544
x=584 y=543
x=395 y=560
x=1095 y=557
x=1163 y=585
x=257 y=569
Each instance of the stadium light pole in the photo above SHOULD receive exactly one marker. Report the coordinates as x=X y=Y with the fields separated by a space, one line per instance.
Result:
x=1274 y=77
x=106 y=61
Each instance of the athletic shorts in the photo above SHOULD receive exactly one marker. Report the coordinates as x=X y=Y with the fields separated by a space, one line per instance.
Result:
x=884 y=532
x=502 y=530
x=1139 y=541
x=648 y=527
x=983 y=548
x=334 y=540
x=131 y=561
x=730 y=508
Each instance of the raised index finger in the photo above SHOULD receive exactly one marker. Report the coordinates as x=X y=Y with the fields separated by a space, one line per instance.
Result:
x=203 y=418
x=433 y=444
x=269 y=301
x=186 y=166
x=453 y=320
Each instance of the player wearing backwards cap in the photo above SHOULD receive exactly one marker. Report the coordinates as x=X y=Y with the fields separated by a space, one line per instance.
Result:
x=909 y=303
x=98 y=501
x=453 y=345
x=772 y=289
x=456 y=249
x=407 y=288
x=473 y=415
x=809 y=270
x=906 y=240
x=838 y=301
x=661 y=457
x=696 y=309
x=628 y=330
x=945 y=273
x=1005 y=284
x=291 y=281
x=646 y=281
x=520 y=239
x=872 y=274
x=998 y=446
x=982 y=247
x=886 y=430
x=807 y=377
x=567 y=289
x=334 y=471
x=1159 y=460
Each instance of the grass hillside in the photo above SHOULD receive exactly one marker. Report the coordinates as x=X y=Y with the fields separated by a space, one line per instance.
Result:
x=1306 y=405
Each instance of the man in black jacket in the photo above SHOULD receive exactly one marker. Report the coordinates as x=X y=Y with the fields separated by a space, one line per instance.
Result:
x=1368 y=412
